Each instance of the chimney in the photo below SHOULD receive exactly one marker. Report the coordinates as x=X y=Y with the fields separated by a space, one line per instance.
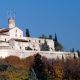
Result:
x=11 y=23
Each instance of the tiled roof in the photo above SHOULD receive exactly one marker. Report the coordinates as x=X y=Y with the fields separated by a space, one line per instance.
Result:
x=20 y=40
x=4 y=30
x=4 y=34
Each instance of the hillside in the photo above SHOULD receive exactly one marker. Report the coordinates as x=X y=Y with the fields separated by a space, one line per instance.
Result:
x=14 y=68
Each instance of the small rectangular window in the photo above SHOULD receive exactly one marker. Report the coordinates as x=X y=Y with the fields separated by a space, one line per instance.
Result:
x=16 y=31
x=20 y=47
x=20 y=36
x=5 y=39
x=39 y=41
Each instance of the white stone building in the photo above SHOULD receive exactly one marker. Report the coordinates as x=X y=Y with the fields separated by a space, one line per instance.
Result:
x=12 y=42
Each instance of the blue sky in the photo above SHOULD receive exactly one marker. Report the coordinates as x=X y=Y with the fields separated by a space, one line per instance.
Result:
x=46 y=17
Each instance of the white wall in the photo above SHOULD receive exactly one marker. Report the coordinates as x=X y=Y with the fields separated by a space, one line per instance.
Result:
x=4 y=44
x=48 y=54
x=16 y=33
x=4 y=37
x=35 y=42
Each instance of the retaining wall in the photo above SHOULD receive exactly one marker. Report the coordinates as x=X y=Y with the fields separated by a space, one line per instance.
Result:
x=48 y=54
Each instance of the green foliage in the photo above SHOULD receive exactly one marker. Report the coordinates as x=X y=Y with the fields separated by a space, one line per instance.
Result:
x=44 y=46
x=46 y=37
x=72 y=50
x=27 y=33
x=28 y=48
x=2 y=77
x=50 y=36
x=4 y=67
x=32 y=74
x=57 y=45
x=15 y=74
x=13 y=68
x=43 y=36
x=78 y=52
x=56 y=38
x=39 y=68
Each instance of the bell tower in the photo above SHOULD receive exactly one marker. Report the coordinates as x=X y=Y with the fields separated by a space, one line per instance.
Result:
x=11 y=19
x=11 y=23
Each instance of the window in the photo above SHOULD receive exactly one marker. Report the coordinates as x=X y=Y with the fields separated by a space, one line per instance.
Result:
x=39 y=41
x=20 y=47
x=16 y=31
x=20 y=36
x=5 y=39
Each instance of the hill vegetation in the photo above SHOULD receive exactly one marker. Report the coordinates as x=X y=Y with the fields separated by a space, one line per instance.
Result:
x=39 y=68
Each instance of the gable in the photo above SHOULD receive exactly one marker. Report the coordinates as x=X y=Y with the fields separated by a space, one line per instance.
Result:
x=16 y=28
x=16 y=33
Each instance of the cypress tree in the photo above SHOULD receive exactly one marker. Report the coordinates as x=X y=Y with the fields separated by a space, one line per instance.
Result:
x=39 y=68
x=78 y=52
x=50 y=36
x=56 y=38
x=27 y=33
x=58 y=46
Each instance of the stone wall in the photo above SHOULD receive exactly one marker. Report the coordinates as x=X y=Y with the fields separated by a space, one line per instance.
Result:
x=48 y=54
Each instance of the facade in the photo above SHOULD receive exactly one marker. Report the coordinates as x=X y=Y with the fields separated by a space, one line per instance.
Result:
x=12 y=42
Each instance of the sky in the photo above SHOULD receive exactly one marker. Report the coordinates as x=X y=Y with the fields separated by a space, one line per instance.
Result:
x=46 y=17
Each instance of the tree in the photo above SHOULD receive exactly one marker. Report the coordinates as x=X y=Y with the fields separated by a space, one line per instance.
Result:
x=45 y=46
x=58 y=46
x=58 y=70
x=50 y=36
x=75 y=56
x=56 y=38
x=43 y=36
x=28 y=48
x=39 y=67
x=72 y=50
x=32 y=75
x=27 y=33
x=78 y=52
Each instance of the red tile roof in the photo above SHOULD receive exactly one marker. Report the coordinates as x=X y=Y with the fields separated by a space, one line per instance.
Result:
x=4 y=30
x=20 y=40
x=4 y=34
